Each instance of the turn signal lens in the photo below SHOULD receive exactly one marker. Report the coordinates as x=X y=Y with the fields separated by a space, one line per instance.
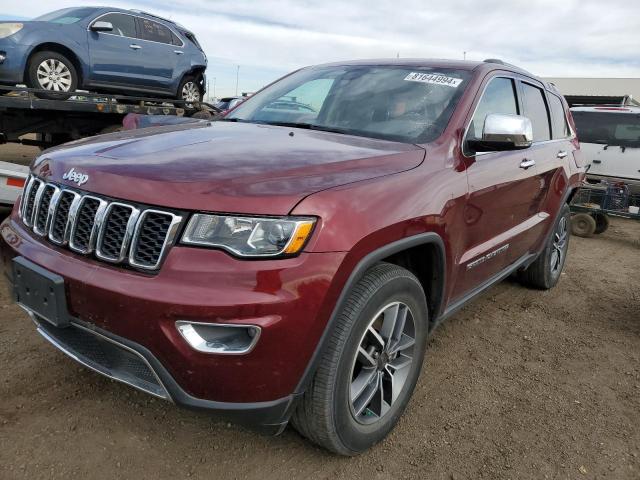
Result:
x=299 y=237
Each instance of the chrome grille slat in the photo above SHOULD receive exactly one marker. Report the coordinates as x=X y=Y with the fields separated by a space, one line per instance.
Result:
x=116 y=232
x=113 y=231
x=58 y=230
x=29 y=198
x=155 y=247
x=41 y=217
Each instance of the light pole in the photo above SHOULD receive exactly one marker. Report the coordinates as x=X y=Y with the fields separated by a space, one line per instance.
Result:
x=237 y=77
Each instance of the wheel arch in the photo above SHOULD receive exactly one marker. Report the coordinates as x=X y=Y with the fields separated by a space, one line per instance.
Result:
x=196 y=71
x=407 y=253
x=58 y=48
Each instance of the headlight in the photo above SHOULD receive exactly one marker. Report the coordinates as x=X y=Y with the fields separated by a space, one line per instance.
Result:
x=7 y=29
x=249 y=236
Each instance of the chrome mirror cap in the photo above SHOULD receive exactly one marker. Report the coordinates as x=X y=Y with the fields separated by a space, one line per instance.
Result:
x=515 y=130
x=503 y=132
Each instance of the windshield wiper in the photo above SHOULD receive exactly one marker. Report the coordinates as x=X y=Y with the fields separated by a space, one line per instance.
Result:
x=309 y=126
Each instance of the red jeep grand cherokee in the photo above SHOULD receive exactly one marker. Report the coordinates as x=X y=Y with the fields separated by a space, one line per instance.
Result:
x=288 y=262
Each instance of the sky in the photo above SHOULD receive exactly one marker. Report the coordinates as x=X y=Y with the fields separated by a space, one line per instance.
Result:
x=269 y=38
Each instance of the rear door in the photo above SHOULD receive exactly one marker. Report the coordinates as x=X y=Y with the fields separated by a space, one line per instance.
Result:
x=160 y=56
x=503 y=192
x=115 y=58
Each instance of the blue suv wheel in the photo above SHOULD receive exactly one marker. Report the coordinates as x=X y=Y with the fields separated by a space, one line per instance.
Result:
x=53 y=72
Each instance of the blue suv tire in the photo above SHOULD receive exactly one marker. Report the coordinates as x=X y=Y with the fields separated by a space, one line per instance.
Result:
x=54 y=72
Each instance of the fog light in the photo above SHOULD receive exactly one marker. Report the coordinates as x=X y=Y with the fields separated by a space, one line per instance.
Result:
x=3 y=56
x=225 y=338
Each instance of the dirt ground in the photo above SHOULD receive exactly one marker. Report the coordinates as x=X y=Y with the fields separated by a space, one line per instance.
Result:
x=16 y=153
x=521 y=384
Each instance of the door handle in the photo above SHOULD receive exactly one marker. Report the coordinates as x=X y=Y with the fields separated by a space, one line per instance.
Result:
x=178 y=52
x=135 y=47
x=527 y=163
x=562 y=154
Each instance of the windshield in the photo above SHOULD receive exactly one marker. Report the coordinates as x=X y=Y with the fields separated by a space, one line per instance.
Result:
x=66 y=15
x=608 y=128
x=406 y=104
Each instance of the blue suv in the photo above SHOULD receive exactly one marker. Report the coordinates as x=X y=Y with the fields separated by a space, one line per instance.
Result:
x=103 y=50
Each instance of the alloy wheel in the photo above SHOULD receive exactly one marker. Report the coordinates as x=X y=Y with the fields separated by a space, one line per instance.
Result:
x=382 y=363
x=190 y=92
x=54 y=75
x=558 y=252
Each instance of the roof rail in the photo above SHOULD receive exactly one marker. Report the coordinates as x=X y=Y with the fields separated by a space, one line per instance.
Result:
x=494 y=60
x=142 y=12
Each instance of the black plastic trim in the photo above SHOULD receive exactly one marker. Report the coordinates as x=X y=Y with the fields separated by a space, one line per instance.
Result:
x=357 y=273
x=524 y=261
x=268 y=417
x=271 y=416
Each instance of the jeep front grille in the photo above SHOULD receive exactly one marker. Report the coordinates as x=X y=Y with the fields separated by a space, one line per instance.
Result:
x=88 y=224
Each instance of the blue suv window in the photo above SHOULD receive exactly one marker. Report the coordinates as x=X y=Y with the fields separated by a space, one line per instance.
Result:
x=154 y=31
x=66 y=16
x=123 y=25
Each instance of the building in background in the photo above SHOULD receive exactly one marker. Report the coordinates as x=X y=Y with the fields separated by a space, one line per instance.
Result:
x=599 y=87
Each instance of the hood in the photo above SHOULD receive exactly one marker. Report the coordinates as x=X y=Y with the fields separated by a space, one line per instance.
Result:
x=223 y=166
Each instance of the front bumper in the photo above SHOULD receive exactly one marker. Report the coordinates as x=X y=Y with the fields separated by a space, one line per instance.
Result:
x=286 y=298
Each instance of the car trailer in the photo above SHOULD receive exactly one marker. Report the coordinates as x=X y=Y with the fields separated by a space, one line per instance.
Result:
x=592 y=206
x=51 y=121
x=54 y=121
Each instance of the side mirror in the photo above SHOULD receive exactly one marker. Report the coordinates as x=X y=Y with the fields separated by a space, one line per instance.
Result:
x=102 y=27
x=503 y=132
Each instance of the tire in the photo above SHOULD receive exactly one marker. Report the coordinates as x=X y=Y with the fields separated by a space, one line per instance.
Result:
x=328 y=414
x=602 y=222
x=545 y=271
x=190 y=89
x=583 y=225
x=65 y=76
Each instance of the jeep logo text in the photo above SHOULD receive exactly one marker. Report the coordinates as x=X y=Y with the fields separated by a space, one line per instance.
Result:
x=77 y=177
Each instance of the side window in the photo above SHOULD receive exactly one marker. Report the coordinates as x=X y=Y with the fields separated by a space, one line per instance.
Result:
x=498 y=97
x=175 y=40
x=123 y=25
x=535 y=109
x=558 y=118
x=154 y=31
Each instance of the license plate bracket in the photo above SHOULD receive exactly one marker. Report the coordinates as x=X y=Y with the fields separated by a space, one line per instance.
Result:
x=40 y=291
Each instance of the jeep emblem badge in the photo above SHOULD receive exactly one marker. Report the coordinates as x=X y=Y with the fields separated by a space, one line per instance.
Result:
x=77 y=177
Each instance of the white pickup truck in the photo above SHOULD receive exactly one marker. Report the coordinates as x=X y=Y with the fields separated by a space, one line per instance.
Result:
x=610 y=140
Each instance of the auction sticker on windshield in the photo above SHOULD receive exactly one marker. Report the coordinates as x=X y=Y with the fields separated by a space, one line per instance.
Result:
x=433 y=78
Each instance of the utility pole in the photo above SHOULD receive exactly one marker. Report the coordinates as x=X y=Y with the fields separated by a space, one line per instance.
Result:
x=464 y=55
x=237 y=77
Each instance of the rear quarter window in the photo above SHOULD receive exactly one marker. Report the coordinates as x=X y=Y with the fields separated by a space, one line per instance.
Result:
x=154 y=31
x=560 y=128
